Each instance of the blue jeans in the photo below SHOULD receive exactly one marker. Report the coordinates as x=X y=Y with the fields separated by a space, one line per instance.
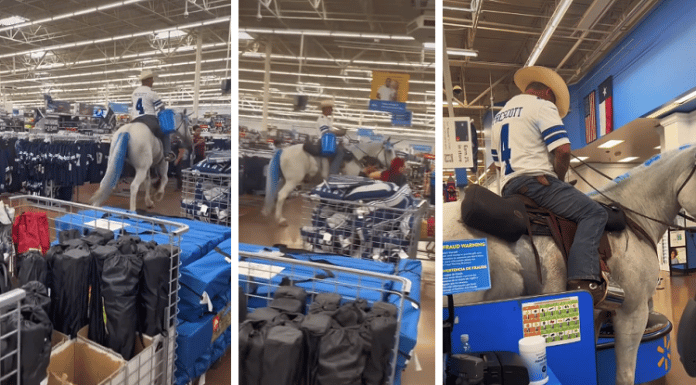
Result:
x=335 y=167
x=570 y=203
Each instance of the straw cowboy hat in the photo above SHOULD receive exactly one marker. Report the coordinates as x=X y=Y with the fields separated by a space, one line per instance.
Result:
x=146 y=74
x=327 y=103
x=527 y=75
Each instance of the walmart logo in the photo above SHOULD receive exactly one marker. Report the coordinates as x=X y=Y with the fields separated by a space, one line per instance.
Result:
x=665 y=352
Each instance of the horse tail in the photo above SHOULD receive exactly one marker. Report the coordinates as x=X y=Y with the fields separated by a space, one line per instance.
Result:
x=272 y=182
x=117 y=157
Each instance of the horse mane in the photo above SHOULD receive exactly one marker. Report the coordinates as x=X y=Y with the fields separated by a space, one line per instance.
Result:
x=656 y=161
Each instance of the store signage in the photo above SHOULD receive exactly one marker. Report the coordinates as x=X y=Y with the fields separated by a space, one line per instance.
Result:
x=422 y=148
x=389 y=91
x=365 y=132
x=457 y=146
x=465 y=266
x=402 y=118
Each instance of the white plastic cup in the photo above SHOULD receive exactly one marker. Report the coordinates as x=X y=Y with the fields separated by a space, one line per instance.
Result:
x=533 y=353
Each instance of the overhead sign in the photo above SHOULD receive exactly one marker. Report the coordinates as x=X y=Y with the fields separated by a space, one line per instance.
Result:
x=389 y=91
x=465 y=266
x=457 y=146
x=402 y=118
x=422 y=148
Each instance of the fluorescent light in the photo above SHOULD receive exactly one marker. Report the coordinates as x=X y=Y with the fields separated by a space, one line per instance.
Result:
x=429 y=46
x=39 y=54
x=461 y=52
x=578 y=159
x=548 y=31
x=170 y=34
x=244 y=36
x=12 y=20
x=628 y=159
x=610 y=144
x=657 y=148
x=686 y=98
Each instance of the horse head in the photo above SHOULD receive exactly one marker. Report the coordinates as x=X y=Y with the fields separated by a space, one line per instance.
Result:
x=182 y=121
x=686 y=184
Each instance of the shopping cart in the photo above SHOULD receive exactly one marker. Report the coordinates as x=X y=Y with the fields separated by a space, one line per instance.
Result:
x=361 y=230
x=206 y=196
x=64 y=215
x=10 y=321
x=260 y=274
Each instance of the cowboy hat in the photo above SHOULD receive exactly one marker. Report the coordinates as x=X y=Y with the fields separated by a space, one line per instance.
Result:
x=146 y=74
x=548 y=77
x=327 y=103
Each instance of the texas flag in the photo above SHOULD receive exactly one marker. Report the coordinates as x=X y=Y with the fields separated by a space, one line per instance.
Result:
x=606 y=108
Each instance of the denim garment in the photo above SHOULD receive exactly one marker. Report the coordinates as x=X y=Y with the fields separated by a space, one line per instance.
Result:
x=570 y=203
x=335 y=167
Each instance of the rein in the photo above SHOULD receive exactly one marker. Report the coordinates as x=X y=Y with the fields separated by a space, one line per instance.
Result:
x=639 y=229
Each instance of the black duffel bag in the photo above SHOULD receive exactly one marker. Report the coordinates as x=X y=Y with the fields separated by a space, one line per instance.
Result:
x=119 y=288
x=36 y=330
x=380 y=324
x=37 y=294
x=32 y=266
x=484 y=210
x=154 y=289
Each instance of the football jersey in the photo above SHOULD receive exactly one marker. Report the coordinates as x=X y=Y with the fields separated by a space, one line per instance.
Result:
x=324 y=124
x=145 y=102
x=524 y=133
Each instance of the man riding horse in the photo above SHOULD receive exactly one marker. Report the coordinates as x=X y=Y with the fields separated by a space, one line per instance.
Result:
x=146 y=104
x=325 y=125
x=531 y=147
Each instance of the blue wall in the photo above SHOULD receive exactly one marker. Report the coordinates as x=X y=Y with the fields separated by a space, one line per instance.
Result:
x=653 y=65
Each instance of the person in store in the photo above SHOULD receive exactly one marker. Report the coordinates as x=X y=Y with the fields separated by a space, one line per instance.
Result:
x=198 y=145
x=395 y=173
x=146 y=105
x=531 y=146
x=182 y=162
x=325 y=124
x=371 y=168
x=385 y=92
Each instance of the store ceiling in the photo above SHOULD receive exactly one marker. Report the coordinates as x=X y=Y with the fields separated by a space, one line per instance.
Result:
x=337 y=66
x=504 y=32
x=86 y=51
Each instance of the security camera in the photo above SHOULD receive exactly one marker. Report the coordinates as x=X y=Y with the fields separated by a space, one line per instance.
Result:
x=457 y=90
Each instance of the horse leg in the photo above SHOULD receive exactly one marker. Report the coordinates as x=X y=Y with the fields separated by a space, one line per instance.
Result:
x=147 y=184
x=282 y=196
x=628 y=327
x=162 y=168
x=140 y=175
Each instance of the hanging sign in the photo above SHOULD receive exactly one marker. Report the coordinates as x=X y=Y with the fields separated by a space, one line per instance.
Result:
x=389 y=91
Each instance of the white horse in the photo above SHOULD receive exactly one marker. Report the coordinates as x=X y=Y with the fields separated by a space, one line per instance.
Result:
x=652 y=189
x=134 y=143
x=293 y=164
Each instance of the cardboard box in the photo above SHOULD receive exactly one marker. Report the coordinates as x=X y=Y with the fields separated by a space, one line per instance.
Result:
x=139 y=369
x=78 y=362
x=57 y=339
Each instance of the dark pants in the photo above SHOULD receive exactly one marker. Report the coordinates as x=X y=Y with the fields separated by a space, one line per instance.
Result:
x=152 y=123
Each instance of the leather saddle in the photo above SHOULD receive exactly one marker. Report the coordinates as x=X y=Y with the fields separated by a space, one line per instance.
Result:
x=314 y=149
x=510 y=218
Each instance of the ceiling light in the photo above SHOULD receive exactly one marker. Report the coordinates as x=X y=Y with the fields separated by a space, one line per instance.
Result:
x=686 y=98
x=548 y=31
x=628 y=159
x=610 y=143
x=170 y=34
x=39 y=54
x=429 y=46
x=12 y=20
x=578 y=159
x=462 y=52
x=244 y=36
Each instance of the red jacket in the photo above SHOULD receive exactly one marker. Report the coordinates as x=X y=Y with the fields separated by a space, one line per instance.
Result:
x=30 y=231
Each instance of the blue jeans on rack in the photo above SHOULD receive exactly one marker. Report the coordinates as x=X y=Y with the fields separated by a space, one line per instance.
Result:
x=570 y=203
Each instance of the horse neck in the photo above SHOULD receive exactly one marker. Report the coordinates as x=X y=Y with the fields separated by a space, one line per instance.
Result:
x=652 y=193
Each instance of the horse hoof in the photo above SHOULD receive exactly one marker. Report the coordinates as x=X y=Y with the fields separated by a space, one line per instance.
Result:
x=283 y=222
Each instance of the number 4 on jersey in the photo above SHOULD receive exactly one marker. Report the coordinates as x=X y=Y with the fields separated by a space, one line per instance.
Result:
x=139 y=106
x=505 y=151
